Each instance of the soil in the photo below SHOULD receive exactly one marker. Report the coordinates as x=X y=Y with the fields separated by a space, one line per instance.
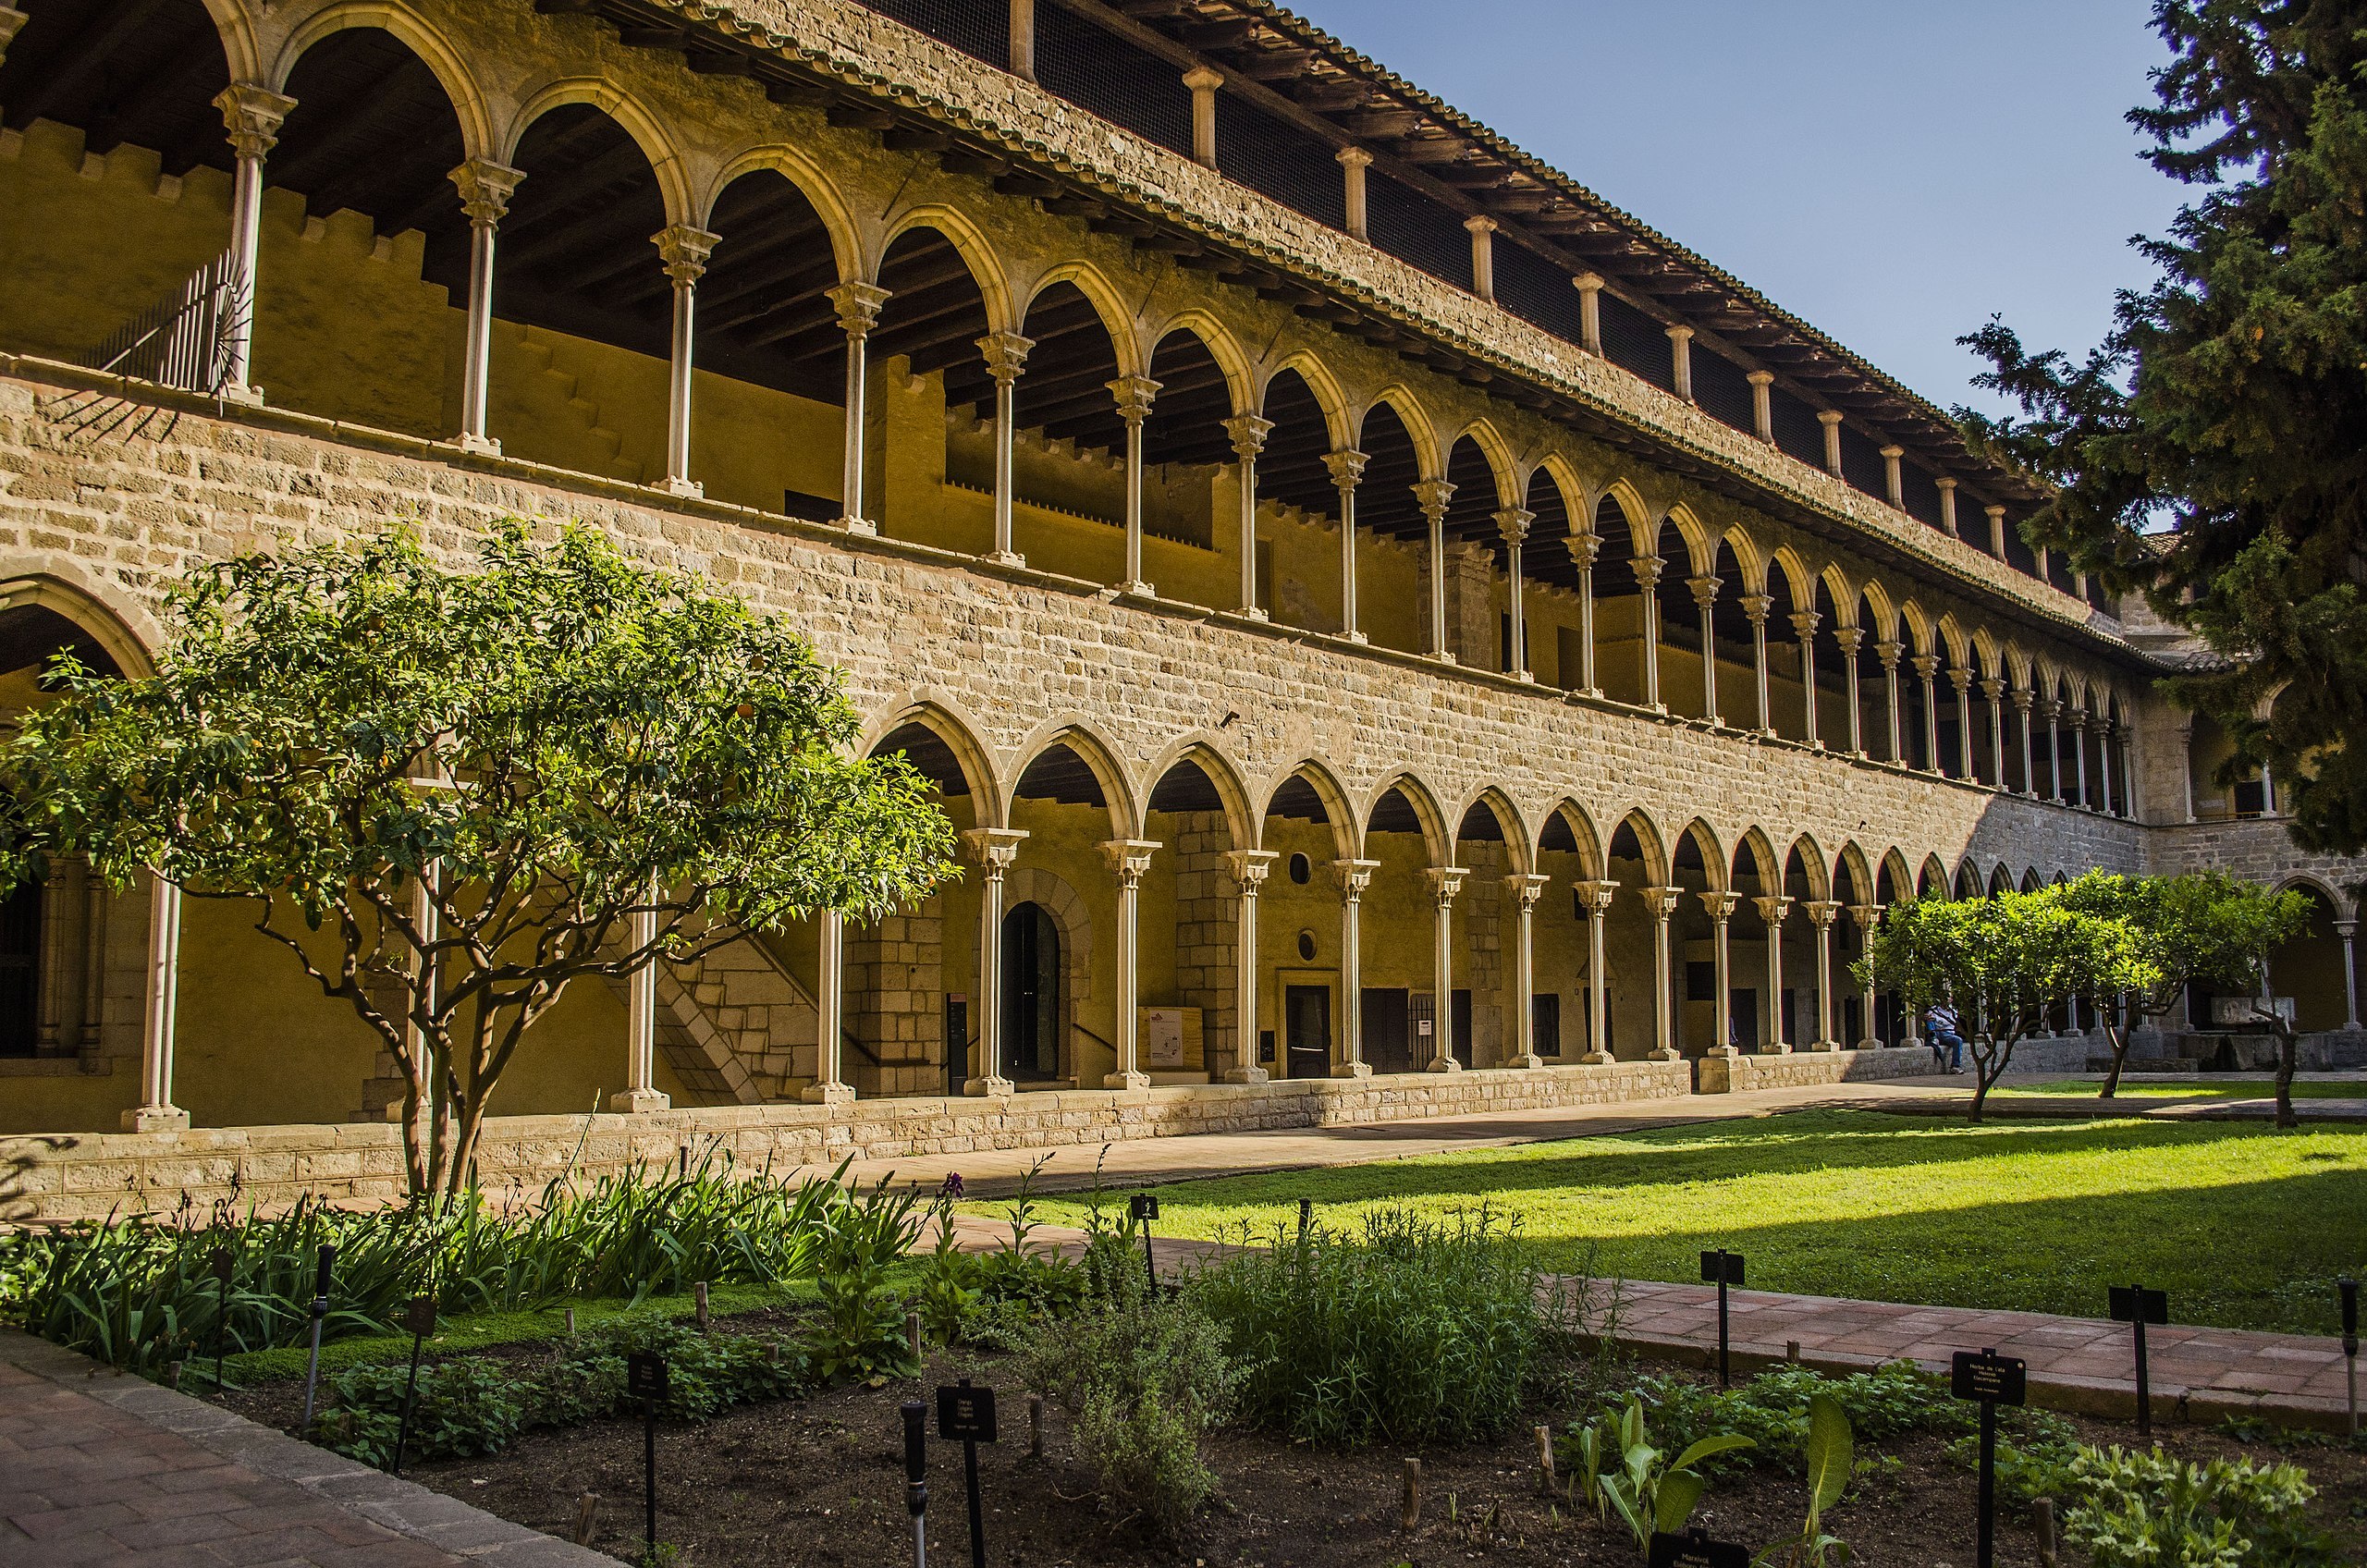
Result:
x=821 y=1481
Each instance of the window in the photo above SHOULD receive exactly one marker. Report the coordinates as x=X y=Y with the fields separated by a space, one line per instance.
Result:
x=1302 y=870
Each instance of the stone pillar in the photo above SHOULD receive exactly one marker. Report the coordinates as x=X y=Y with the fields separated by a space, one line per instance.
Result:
x=1354 y=876
x=1648 y=583
x=57 y=977
x=1595 y=898
x=1680 y=360
x=641 y=1095
x=1865 y=916
x=1947 y=504
x=1006 y=354
x=1705 y=601
x=1993 y=692
x=1927 y=670
x=1850 y=639
x=1722 y=909
x=1129 y=858
x=1354 y=161
x=2029 y=772
x=1894 y=479
x=1134 y=394
x=994 y=848
x=2104 y=766
x=158 y=1113
x=1961 y=679
x=1887 y=655
x=94 y=969
x=685 y=250
x=1431 y=496
x=1763 y=405
x=1804 y=623
x=1249 y=433
x=1483 y=230
x=1661 y=902
x=2080 y=728
x=1756 y=608
x=1589 y=288
x=1347 y=468
x=1526 y=888
x=1022 y=39
x=2052 y=708
x=1248 y=869
x=486 y=187
x=2349 y=930
x=1512 y=526
x=251 y=114
x=1203 y=83
x=1584 y=547
x=830 y=1086
x=1445 y=882
x=858 y=307
x=1822 y=912
x=1830 y=420
x=1996 y=516
x=1772 y=910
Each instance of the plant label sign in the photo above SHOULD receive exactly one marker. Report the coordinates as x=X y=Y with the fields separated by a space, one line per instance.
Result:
x=1143 y=1205
x=1694 y=1550
x=2135 y=1304
x=1990 y=1377
x=421 y=1318
x=1722 y=1267
x=645 y=1376
x=965 y=1414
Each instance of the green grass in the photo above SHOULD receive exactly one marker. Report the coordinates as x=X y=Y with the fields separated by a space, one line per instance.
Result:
x=2244 y=1226
x=2227 y=1089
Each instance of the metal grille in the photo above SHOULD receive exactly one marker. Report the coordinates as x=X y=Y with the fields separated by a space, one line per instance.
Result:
x=1536 y=290
x=1635 y=340
x=188 y=338
x=1280 y=161
x=1722 y=389
x=1091 y=69
x=1415 y=229
x=1861 y=463
x=975 y=27
x=1797 y=433
x=1921 y=494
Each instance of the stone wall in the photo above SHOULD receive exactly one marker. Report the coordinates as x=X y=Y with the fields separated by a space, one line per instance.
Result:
x=1740 y=1073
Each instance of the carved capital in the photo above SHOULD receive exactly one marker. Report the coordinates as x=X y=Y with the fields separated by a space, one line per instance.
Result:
x=1584 y=548
x=1927 y=666
x=486 y=187
x=1961 y=679
x=1133 y=394
x=1773 y=909
x=1481 y=223
x=1201 y=78
x=1756 y=608
x=1828 y=417
x=1595 y=897
x=1705 y=590
x=2022 y=700
x=1587 y=282
x=685 y=250
x=1431 y=496
x=858 y=305
x=1992 y=688
x=1249 y=433
x=1129 y=858
x=1511 y=525
x=1662 y=901
x=1353 y=157
x=1867 y=915
x=1347 y=467
x=1005 y=354
x=1822 y=912
x=993 y=847
x=1805 y=622
x=1445 y=882
x=1354 y=876
x=251 y=114
x=1648 y=570
x=1886 y=654
x=1760 y=378
x=1248 y=868
x=1721 y=906
x=1528 y=887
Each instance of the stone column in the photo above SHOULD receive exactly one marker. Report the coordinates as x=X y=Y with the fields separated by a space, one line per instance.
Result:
x=2104 y=766
x=2052 y=708
x=94 y=969
x=252 y=113
x=1129 y=858
x=1661 y=902
x=1705 y=602
x=1203 y=83
x=830 y=1086
x=994 y=848
x=1347 y=468
x=1248 y=869
x=1927 y=670
x=1961 y=679
x=486 y=187
x=1512 y=526
x=1589 y=288
x=1850 y=639
x=1886 y=654
x=1249 y=433
x=1893 y=480
x=1431 y=496
x=858 y=306
x=1822 y=912
x=1483 y=230
x=685 y=250
x=1584 y=547
x=1772 y=910
x=2349 y=930
x=2080 y=728
x=1722 y=909
x=158 y=1113
x=1022 y=39
x=57 y=977
x=1445 y=882
x=1830 y=420
x=1006 y=354
x=1354 y=876
x=1996 y=516
x=1993 y=692
x=1526 y=888
x=1134 y=394
x=1595 y=898
x=1865 y=916
x=1804 y=623
x=1647 y=609
x=1680 y=360
x=1947 y=504
x=641 y=1095
x=1354 y=161
x=2029 y=771
x=1763 y=405
x=1756 y=608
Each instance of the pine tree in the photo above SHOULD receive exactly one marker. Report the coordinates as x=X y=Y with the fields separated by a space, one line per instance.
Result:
x=2229 y=400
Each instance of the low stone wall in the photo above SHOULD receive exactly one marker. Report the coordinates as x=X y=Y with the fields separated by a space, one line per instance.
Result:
x=1806 y=1068
x=80 y=1176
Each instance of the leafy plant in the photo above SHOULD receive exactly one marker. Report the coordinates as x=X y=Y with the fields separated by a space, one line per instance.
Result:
x=1773 y=1409
x=1829 y=1452
x=1629 y=1478
x=2148 y=1509
x=861 y=1332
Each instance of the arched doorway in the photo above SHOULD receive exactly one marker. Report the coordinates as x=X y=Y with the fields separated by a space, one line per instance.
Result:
x=1031 y=994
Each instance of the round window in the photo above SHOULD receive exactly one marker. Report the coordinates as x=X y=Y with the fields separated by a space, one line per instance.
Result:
x=1306 y=947
x=1302 y=870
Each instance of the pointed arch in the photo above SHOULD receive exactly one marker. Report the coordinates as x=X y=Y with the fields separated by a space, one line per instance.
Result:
x=1329 y=395
x=942 y=717
x=1749 y=561
x=1586 y=841
x=666 y=161
x=1222 y=346
x=1700 y=544
x=1429 y=453
x=1118 y=790
x=1814 y=865
x=1920 y=636
x=1715 y=865
x=1643 y=528
x=1204 y=751
x=1437 y=835
x=124 y=629
x=1902 y=877
x=1501 y=463
x=969 y=242
x=819 y=190
x=1844 y=594
x=1347 y=827
x=1117 y=317
x=451 y=68
x=1851 y=866
x=1798 y=576
x=1577 y=493
x=1648 y=842
x=1933 y=875
x=1755 y=843
x=1509 y=821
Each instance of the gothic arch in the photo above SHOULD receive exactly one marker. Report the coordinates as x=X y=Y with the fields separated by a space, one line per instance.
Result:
x=1202 y=750
x=1118 y=791
x=969 y=242
x=829 y=205
x=1117 y=318
x=940 y=716
x=1517 y=839
x=1438 y=837
x=469 y=102
x=666 y=162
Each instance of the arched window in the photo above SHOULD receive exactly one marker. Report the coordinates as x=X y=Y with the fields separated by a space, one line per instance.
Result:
x=1031 y=995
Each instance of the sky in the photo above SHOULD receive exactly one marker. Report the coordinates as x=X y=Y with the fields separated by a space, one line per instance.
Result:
x=1894 y=172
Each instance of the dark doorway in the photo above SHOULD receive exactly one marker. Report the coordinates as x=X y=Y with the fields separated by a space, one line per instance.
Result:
x=1031 y=995
x=1743 y=1008
x=1545 y=1024
x=1306 y=1023
x=1386 y=1047
x=956 y=1044
x=1463 y=1026
x=20 y=969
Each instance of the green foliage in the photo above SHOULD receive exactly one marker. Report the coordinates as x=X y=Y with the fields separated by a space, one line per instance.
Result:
x=470 y=787
x=992 y=1297
x=1413 y=1331
x=1775 y=1409
x=2226 y=399
x=2151 y=1511
x=1828 y=1452
x=1143 y=1378
x=861 y=1333
x=1624 y=1475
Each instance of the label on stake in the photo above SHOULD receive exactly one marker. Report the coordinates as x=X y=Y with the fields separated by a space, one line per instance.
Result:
x=1988 y=1376
x=1694 y=1550
x=965 y=1414
x=2135 y=1304
x=645 y=1376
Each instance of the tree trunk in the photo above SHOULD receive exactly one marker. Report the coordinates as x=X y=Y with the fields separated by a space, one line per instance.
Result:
x=464 y=1148
x=2117 y=1038
x=2288 y=1058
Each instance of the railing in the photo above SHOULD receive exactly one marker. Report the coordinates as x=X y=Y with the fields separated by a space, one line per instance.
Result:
x=190 y=339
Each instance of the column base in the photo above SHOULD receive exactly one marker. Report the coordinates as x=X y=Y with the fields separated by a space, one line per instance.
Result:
x=478 y=445
x=1822 y=1046
x=1137 y=589
x=243 y=395
x=1663 y=1053
x=1867 y=1046
x=1593 y=693
x=1443 y=1064
x=687 y=489
x=1006 y=557
x=1355 y=636
x=1597 y=1058
x=1529 y=1063
x=862 y=525
x=1776 y=1048
x=989 y=1088
x=1251 y=612
x=1246 y=1075
x=1352 y=1070
x=1523 y=675
x=1126 y=1083
x=2352 y=1027
x=1441 y=656
x=638 y=1102
x=156 y=1119
x=1720 y=1053
x=826 y=1094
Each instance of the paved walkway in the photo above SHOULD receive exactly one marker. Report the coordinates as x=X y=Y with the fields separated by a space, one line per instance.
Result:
x=101 y=1468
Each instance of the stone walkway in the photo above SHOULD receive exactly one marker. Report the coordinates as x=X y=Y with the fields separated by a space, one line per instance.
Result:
x=98 y=1467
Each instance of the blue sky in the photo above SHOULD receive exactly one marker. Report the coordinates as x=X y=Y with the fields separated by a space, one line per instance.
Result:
x=1894 y=171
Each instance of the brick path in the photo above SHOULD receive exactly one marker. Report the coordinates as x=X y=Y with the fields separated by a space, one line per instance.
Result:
x=101 y=1468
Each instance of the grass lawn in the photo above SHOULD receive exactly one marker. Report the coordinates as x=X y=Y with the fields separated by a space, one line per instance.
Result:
x=2217 y=1089
x=2244 y=1226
